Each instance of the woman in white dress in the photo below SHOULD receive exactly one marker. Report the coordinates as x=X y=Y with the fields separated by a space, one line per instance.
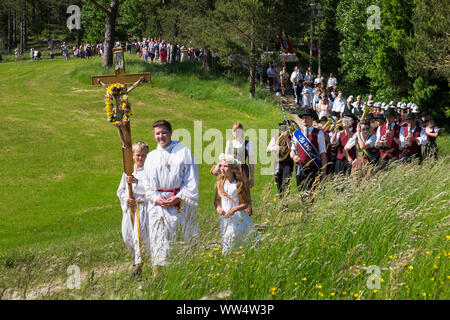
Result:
x=135 y=233
x=232 y=197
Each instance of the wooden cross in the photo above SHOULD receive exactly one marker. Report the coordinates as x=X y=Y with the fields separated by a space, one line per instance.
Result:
x=124 y=131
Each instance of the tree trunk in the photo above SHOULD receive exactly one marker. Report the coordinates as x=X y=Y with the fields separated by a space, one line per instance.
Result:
x=9 y=31
x=207 y=59
x=252 y=67
x=110 y=33
x=14 y=28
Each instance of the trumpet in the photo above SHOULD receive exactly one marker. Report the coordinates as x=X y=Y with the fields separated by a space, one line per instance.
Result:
x=328 y=124
x=338 y=126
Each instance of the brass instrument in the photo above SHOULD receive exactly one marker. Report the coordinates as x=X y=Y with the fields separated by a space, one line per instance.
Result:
x=338 y=126
x=366 y=111
x=284 y=144
x=328 y=124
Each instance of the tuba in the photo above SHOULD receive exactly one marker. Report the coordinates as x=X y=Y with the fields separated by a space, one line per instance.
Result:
x=338 y=126
x=284 y=144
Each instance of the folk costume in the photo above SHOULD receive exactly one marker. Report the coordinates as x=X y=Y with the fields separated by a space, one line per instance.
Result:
x=411 y=148
x=309 y=144
x=136 y=238
x=390 y=151
x=283 y=165
x=171 y=171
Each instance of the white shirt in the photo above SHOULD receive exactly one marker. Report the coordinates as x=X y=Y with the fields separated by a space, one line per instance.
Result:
x=241 y=154
x=331 y=82
x=422 y=137
x=379 y=128
x=320 y=140
x=338 y=105
x=270 y=72
x=369 y=141
x=181 y=173
x=338 y=136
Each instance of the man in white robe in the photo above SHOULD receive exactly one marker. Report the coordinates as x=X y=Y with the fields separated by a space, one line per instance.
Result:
x=171 y=181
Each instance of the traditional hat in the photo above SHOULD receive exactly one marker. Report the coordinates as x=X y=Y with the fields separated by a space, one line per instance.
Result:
x=370 y=103
x=408 y=105
x=380 y=117
x=391 y=103
x=390 y=112
x=403 y=105
x=308 y=112
x=383 y=105
x=429 y=118
x=370 y=116
x=323 y=118
x=410 y=116
x=349 y=114
x=399 y=104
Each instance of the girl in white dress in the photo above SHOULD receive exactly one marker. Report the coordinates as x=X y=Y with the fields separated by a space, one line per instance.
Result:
x=136 y=239
x=232 y=197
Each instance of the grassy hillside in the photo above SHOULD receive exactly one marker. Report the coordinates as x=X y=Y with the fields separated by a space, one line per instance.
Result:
x=62 y=166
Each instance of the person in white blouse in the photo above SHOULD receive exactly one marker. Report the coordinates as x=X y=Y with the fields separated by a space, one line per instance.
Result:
x=171 y=177
x=135 y=215
x=339 y=103
x=332 y=81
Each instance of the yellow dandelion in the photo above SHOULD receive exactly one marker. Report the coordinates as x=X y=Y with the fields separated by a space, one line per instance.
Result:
x=410 y=267
x=304 y=279
x=432 y=279
x=435 y=266
x=424 y=294
x=390 y=257
x=295 y=283
x=320 y=294
x=447 y=237
x=427 y=252
x=375 y=290
x=332 y=294
x=381 y=280
x=344 y=293
x=355 y=295
x=319 y=286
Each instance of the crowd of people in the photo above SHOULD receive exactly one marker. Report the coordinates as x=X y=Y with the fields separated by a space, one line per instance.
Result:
x=349 y=136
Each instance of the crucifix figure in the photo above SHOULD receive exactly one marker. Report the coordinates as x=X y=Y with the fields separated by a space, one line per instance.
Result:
x=119 y=95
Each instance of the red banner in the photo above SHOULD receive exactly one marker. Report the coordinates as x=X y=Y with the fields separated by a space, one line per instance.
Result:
x=285 y=44
x=315 y=50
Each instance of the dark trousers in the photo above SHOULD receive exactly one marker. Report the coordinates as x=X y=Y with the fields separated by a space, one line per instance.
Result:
x=283 y=176
x=406 y=157
x=343 y=166
x=306 y=177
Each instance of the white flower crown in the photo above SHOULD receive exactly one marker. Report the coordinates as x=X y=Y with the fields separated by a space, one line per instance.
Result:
x=230 y=159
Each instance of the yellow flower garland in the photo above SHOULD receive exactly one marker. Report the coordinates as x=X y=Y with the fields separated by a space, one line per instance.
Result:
x=113 y=117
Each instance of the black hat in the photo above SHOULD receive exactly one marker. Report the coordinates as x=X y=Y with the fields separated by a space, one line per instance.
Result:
x=380 y=117
x=335 y=114
x=429 y=117
x=390 y=113
x=308 y=112
x=370 y=117
x=323 y=119
x=350 y=114
x=410 y=116
x=285 y=122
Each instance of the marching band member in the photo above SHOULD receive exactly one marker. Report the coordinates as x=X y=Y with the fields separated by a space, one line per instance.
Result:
x=283 y=163
x=388 y=140
x=309 y=151
x=432 y=133
x=345 y=156
x=171 y=177
x=411 y=138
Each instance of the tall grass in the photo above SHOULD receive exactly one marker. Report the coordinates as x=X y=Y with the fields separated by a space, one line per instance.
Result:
x=62 y=166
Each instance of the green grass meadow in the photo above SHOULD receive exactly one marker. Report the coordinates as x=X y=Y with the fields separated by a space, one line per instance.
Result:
x=62 y=165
